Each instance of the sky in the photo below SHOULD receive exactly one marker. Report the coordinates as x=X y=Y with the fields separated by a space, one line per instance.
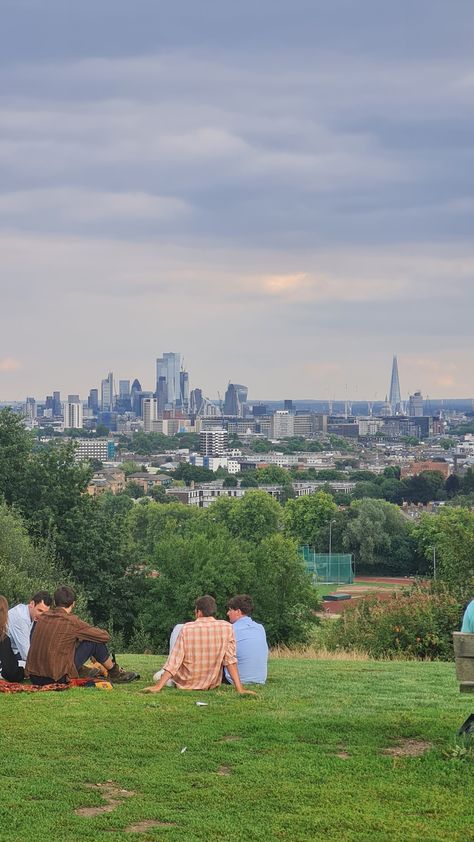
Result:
x=281 y=190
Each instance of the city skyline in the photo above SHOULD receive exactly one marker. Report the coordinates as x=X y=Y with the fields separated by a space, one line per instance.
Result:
x=283 y=191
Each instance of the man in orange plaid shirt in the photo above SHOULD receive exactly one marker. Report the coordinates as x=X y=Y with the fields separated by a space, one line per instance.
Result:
x=202 y=649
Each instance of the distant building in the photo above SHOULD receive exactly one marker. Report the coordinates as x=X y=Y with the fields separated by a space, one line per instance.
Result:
x=419 y=467
x=415 y=405
x=394 y=395
x=283 y=424
x=72 y=413
x=149 y=413
x=235 y=398
x=168 y=381
x=93 y=401
x=135 y=398
x=107 y=393
x=213 y=442
x=101 y=449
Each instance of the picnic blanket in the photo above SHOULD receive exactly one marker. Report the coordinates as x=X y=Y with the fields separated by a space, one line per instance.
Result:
x=14 y=687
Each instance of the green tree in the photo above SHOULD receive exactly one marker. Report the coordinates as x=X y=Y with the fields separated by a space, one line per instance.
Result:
x=25 y=566
x=378 y=535
x=450 y=535
x=307 y=518
x=16 y=444
x=230 y=482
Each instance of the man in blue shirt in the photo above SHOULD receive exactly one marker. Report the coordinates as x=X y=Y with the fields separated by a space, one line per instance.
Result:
x=21 y=619
x=468 y=619
x=251 y=640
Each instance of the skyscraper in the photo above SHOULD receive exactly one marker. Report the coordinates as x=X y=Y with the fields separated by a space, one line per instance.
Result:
x=168 y=368
x=234 y=399
x=394 y=397
x=135 y=397
x=107 y=393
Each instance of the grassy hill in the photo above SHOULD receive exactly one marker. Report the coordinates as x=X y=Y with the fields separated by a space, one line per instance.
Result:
x=306 y=760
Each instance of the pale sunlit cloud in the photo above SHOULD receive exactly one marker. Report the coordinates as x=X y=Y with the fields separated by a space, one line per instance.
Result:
x=8 y=364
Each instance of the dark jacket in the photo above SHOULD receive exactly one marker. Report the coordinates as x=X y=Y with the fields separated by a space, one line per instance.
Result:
x=9 y=669
x=53 y=643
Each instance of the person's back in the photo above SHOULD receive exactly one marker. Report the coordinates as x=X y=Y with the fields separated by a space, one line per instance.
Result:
x=252 y=650
x=199 y=653
x=468 y=619
x=250 y=639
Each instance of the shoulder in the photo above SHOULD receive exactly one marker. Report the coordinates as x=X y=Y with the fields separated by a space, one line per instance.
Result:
x=17 y=610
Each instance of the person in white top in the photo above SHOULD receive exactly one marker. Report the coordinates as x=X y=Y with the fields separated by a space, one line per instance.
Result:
x=21 y=620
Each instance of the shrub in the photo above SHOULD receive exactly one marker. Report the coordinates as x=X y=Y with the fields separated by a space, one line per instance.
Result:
x=412 y=624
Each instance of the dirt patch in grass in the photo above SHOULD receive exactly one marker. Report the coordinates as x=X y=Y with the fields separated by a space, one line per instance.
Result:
x=344 y=755
x=224 y=770
x=408 y=748
x=112 y=794
x=148 y=824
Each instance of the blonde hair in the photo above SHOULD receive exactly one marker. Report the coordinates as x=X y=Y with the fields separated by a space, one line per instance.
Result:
x=3 y=617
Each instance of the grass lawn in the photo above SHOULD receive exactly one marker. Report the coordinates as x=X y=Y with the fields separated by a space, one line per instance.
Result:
x=303 y=761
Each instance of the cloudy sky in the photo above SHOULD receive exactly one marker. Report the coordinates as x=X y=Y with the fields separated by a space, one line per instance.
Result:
x=282 y=190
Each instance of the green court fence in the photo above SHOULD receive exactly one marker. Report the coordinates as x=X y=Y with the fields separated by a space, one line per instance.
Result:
x=325 y=567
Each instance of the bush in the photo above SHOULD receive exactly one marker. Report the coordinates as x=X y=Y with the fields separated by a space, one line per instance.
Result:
x=413 y=624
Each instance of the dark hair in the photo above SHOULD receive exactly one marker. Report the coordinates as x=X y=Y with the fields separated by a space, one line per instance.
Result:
x=207 y=606
x=42 y=596
x=241 y=602
x=64 y=597
x=3 y=617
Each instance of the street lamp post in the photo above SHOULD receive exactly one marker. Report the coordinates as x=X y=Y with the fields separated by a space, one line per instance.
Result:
x=434 y=563
x=330 y=538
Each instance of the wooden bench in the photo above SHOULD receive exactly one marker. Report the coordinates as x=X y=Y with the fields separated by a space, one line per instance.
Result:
x=464 y=659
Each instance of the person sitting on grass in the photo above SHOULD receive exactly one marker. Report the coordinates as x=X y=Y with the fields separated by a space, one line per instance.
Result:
x=9 y=667
x=250 y=640
x=202 y=649
x=22 y=620
x=468 y=619
x=62 y=643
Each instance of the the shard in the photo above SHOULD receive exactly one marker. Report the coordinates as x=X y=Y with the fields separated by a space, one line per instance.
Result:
x=394 y=398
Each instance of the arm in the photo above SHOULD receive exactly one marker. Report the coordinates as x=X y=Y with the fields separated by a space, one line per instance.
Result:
x=84 y=631
x=157 y=687
x=234 y=674
x=19 y=629
x=172 y=665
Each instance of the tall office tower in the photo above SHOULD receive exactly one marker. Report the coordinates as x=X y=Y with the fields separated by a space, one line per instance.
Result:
x=196 y=401
x=184 y=390
x=288 y=405
x=30 y=411
x=49 y=403
x=169 y=367
x=107 y=393
x=234 y=399
x=72 y=413
x=135 y=397
x=394 y=398
x=162 y=393
x=124 y=389
x=213 y=442
x=415 y=405
x=93 y=401
x=124 y=403
x=150 y=413
x=57 y=405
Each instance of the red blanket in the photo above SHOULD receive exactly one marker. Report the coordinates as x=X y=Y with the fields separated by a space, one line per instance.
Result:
x=12 y=687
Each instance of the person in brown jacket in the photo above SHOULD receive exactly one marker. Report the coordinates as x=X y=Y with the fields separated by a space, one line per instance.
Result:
x=62 y=643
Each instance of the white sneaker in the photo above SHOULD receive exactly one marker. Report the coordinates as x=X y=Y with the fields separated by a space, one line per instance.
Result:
x=157 y=676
